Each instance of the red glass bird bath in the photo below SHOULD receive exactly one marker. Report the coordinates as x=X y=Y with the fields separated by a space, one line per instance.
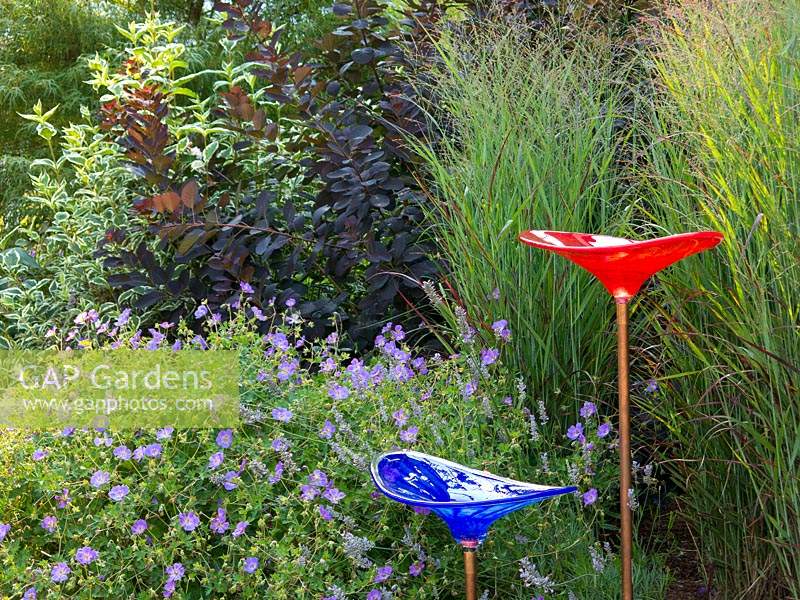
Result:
x=622 y=266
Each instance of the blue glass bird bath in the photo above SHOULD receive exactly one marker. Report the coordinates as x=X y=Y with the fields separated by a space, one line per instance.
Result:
x=467 y=500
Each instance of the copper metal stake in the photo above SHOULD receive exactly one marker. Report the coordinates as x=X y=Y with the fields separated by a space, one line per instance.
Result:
x=626 y=532
x=469 y=569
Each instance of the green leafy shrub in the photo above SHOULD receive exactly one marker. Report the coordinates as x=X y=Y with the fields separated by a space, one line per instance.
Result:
x=112 y=512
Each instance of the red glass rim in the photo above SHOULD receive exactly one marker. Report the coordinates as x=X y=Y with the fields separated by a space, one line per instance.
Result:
x=621 y=265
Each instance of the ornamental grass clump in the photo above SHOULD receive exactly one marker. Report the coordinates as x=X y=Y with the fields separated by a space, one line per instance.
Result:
x=283 y=506
x=524 y=136
x=723 y=155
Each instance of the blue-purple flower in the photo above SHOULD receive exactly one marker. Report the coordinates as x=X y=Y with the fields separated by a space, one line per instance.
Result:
x=308 y=492
x=588 y=409
x=175 y=572
x=246 y=287
x=318 y=478
x=409 y=435
x=188 y=521
x=589 y=497
x=60 y=572
x=501 y=329
x=327 y=431
x=383 y=574
x=86 y=555
x=250 y=564
x=225 y=438
x=333 y=495
x=489 y=356
x=374 y=594
x=216 y=459
x=400 y=417
x=219 y=523
x=118 y=492
x=325 y=513
x=164 y=433
x=99 y=479
x=416 y=569
x=49 y=523
x=282 y=414
x=338 y=392
x=122 y=453
x=139 y=527
x=240 y=529
x=4 y=529
x=603 y=430
x=575 y=432
x=39 y=454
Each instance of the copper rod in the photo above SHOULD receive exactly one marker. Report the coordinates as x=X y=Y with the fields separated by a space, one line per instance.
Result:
x=626 y=533
x=469 y=573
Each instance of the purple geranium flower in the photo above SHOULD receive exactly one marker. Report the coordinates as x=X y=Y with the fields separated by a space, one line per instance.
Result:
x=287 y=368
x=409 y=435
x=225 y=438
x=589 y=497
x=122 y=453
x=60 y=572
x=99 y=479
x=250 y=564
x=49 y=523
x=164 y=433
x=279 y=444
x=325 y=513
x=501 y=329
x=383 y=574
x=30 y=594
x=201 y=311
x=338 y=392
x=318 y=478
x=246 y=287
x=489 y=356
x=152 y=450
x=169 y=588
x=308 y=492
x=652 y=386
x=333 y=495
x=400 y=417
x=39 y=454
x=327 y=431
x=139 y=527
x=219 y=523
x=575 y=432
x=118 y=492
x=215 y=460
x=188 y=521
x=588 y=409
x=374 y=594
x=604 y=430
x=470 y=388
x=276 y=477
x=229 y=480
x=175 y=572
x=4 y=529
x=86 y=555
x=282 y=414
x=415 y=569
x=240 y=528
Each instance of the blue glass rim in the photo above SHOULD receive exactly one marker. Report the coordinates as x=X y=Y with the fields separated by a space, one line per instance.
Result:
x=547 y=492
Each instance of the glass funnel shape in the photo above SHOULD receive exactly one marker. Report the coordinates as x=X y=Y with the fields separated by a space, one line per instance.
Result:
x=621 y=265
x=466 y=499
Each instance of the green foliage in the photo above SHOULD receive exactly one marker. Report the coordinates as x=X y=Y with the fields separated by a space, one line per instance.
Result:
x=308 y=547
x=528 y=141
x=724 y=156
